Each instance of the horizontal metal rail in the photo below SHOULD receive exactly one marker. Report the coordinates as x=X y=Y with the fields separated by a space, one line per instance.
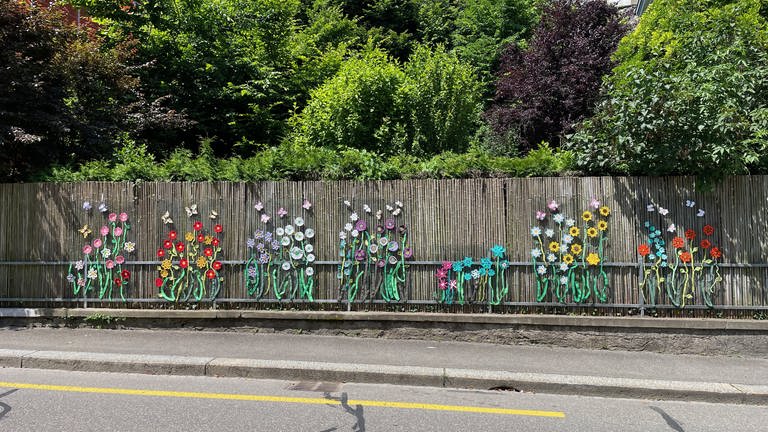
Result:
x=241 y=262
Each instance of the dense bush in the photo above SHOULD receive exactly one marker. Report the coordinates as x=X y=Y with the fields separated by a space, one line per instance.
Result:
x=688 y=95
x=430 y=105
x=545 y=88
x=356 y=108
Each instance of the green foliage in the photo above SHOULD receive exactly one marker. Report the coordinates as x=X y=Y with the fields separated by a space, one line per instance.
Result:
x=291 y=162
x=484 y=27
x=441 y=97
x=430 y=105
x=688 y=96
x=98 y=320
x=226 y=63
x=354 y=107
x=134 y=162
x=64 y=95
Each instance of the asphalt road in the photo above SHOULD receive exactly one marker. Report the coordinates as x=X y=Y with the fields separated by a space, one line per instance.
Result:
x=45 y=400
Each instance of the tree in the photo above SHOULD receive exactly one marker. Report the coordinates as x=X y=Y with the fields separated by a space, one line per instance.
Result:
x=226 y=63
x=483 y=27
x=545 y=88
x=688 y=95
x=63 y=95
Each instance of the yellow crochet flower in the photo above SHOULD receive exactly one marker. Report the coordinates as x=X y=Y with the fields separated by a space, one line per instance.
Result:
x=163 y=274
x=576 y=249
x=208 y=239
x=602 y=225
x=568 y=259
x=554 y=247
x=574 y=231
x=189 y=236
x=592 y=232
x=605 y=210
x=201 y=262
x=587 y=216
x=166 y=264
x=593 y=259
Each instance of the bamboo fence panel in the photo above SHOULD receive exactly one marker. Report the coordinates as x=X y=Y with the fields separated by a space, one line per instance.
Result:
x=446 y=220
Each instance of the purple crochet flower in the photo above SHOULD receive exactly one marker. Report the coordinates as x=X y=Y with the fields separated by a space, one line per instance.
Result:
x=360 y=255
x=361 y=225
x=389 y=224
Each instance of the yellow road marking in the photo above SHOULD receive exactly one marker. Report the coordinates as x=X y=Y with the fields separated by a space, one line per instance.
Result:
x=297 y=400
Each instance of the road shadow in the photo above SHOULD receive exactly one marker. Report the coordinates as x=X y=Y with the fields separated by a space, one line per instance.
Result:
x=669 y=419
x=356 y=412
x=4 y=407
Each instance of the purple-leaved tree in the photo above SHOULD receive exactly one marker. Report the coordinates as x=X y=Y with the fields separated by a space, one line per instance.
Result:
x=544 y=89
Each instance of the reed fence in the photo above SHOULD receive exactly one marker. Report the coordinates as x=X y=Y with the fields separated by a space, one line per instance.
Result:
x=445 y=219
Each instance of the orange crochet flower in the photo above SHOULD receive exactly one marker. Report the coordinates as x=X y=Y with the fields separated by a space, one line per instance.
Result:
x=643 y=249
x=685 y=257
x=678 y=242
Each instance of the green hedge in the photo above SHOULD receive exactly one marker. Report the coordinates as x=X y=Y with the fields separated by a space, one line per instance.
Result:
x=287 y=162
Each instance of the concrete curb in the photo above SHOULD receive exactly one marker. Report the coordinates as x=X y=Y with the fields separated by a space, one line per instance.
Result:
x=401 y=317
x=387 y=374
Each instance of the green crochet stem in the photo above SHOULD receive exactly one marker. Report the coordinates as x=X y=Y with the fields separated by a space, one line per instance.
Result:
x=714 y=278
x=252 y=283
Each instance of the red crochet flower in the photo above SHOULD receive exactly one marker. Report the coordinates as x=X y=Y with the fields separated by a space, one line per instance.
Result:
x=706 y=244
x=197 y=225
x=678 y=242
x=690 y=234
x=643 y=249
x=715 y=253
x=708 y=230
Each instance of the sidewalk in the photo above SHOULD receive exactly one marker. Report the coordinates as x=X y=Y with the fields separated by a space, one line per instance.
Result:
x=430 y=363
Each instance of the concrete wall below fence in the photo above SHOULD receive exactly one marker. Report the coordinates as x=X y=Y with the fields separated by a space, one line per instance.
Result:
x=674 y=336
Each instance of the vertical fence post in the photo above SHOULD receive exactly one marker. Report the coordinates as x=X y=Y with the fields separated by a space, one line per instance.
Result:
x=639 y=281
